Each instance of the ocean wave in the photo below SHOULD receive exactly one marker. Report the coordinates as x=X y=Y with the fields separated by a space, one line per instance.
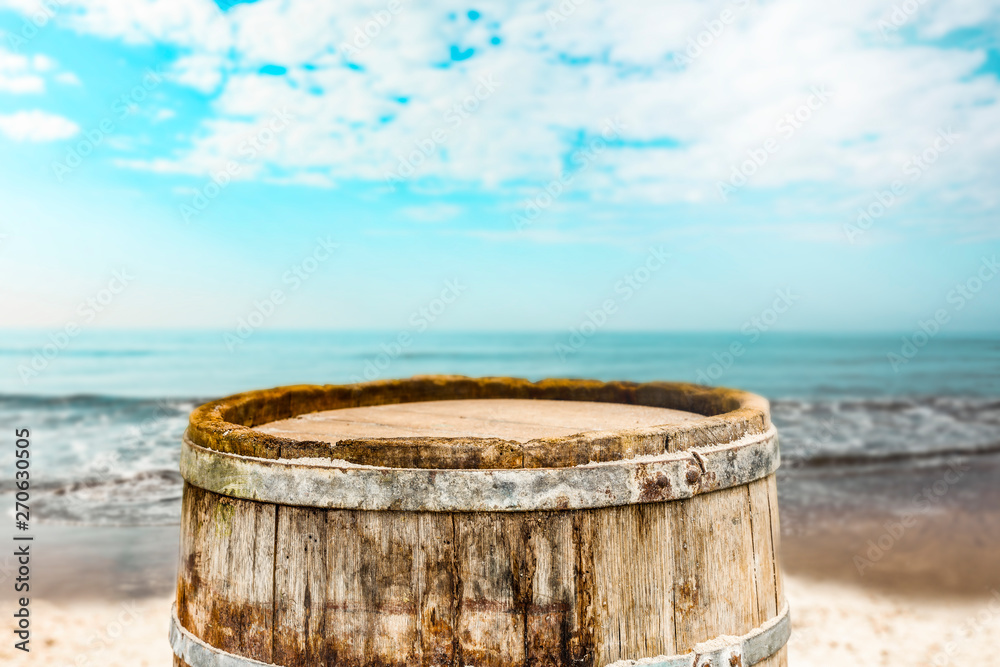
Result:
x=886 y=430
x=118 y=486
x=939 y=456
x=113 y=461
x=145 y=498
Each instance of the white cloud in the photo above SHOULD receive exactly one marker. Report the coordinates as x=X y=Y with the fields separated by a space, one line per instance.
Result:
x=20 y=84
x=37 y=125
x=68 y=78
x=42 y=63
x=201 y=72
x=17 y=74
x=698 y=84
x=23 y=74
x=439 y=212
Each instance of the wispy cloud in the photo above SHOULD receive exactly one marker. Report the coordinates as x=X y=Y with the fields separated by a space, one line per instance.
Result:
x=19 y=75
x=23 y=74
x=68 y=78
x=432 y=212
x=37 y=126
x=700 y=86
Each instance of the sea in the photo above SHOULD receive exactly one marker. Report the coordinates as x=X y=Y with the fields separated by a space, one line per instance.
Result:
x=106 y=409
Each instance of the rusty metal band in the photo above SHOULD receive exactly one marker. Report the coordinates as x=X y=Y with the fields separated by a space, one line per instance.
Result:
x=750 y=649
x=342 y=485
x=197 y=653
x=725 y=651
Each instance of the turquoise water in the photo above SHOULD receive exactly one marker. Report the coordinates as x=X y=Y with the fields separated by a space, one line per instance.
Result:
x=777 y=365
x=107 y=410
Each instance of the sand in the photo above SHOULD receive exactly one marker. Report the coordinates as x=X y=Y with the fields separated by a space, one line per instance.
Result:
x=833 y=624
x=82 y=633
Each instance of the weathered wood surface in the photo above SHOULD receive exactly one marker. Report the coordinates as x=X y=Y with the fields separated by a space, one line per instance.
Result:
x=568 y=588
x=228 y=425
x=225 y=587
x=497 y=433
x=515 y=419
x=303 y=586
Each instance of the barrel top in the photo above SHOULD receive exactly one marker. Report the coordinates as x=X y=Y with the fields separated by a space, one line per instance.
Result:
x=517 y=420
x=486 y=423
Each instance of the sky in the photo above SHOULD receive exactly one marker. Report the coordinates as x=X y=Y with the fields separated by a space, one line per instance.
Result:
x=515 y=165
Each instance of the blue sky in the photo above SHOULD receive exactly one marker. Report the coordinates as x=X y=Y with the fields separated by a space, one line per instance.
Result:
x=535 y=152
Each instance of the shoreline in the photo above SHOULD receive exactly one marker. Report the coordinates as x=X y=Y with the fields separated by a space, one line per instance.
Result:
x=933 y=529
x=109 y=563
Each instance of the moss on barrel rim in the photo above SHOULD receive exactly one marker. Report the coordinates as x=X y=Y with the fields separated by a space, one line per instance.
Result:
x=227 y=424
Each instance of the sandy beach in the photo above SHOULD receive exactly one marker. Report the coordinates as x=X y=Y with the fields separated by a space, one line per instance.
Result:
x=833 y=624
x=932 y=599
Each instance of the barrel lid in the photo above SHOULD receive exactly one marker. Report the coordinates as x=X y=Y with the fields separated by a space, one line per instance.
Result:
x=476 y=423
x=516 y=419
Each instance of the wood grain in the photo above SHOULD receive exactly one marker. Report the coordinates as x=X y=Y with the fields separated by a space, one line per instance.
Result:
x=516 y=420
x=373 y=588
x=300 y=586
x=765 y=573
x=780 y=659
x=579 y=588
x=437 y=584
x=714 y=588
x=633 y=582
x=225 y=579
x=550 y=560
x=493 y=580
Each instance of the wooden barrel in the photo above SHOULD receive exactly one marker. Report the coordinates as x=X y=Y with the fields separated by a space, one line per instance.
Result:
x=489 y=522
